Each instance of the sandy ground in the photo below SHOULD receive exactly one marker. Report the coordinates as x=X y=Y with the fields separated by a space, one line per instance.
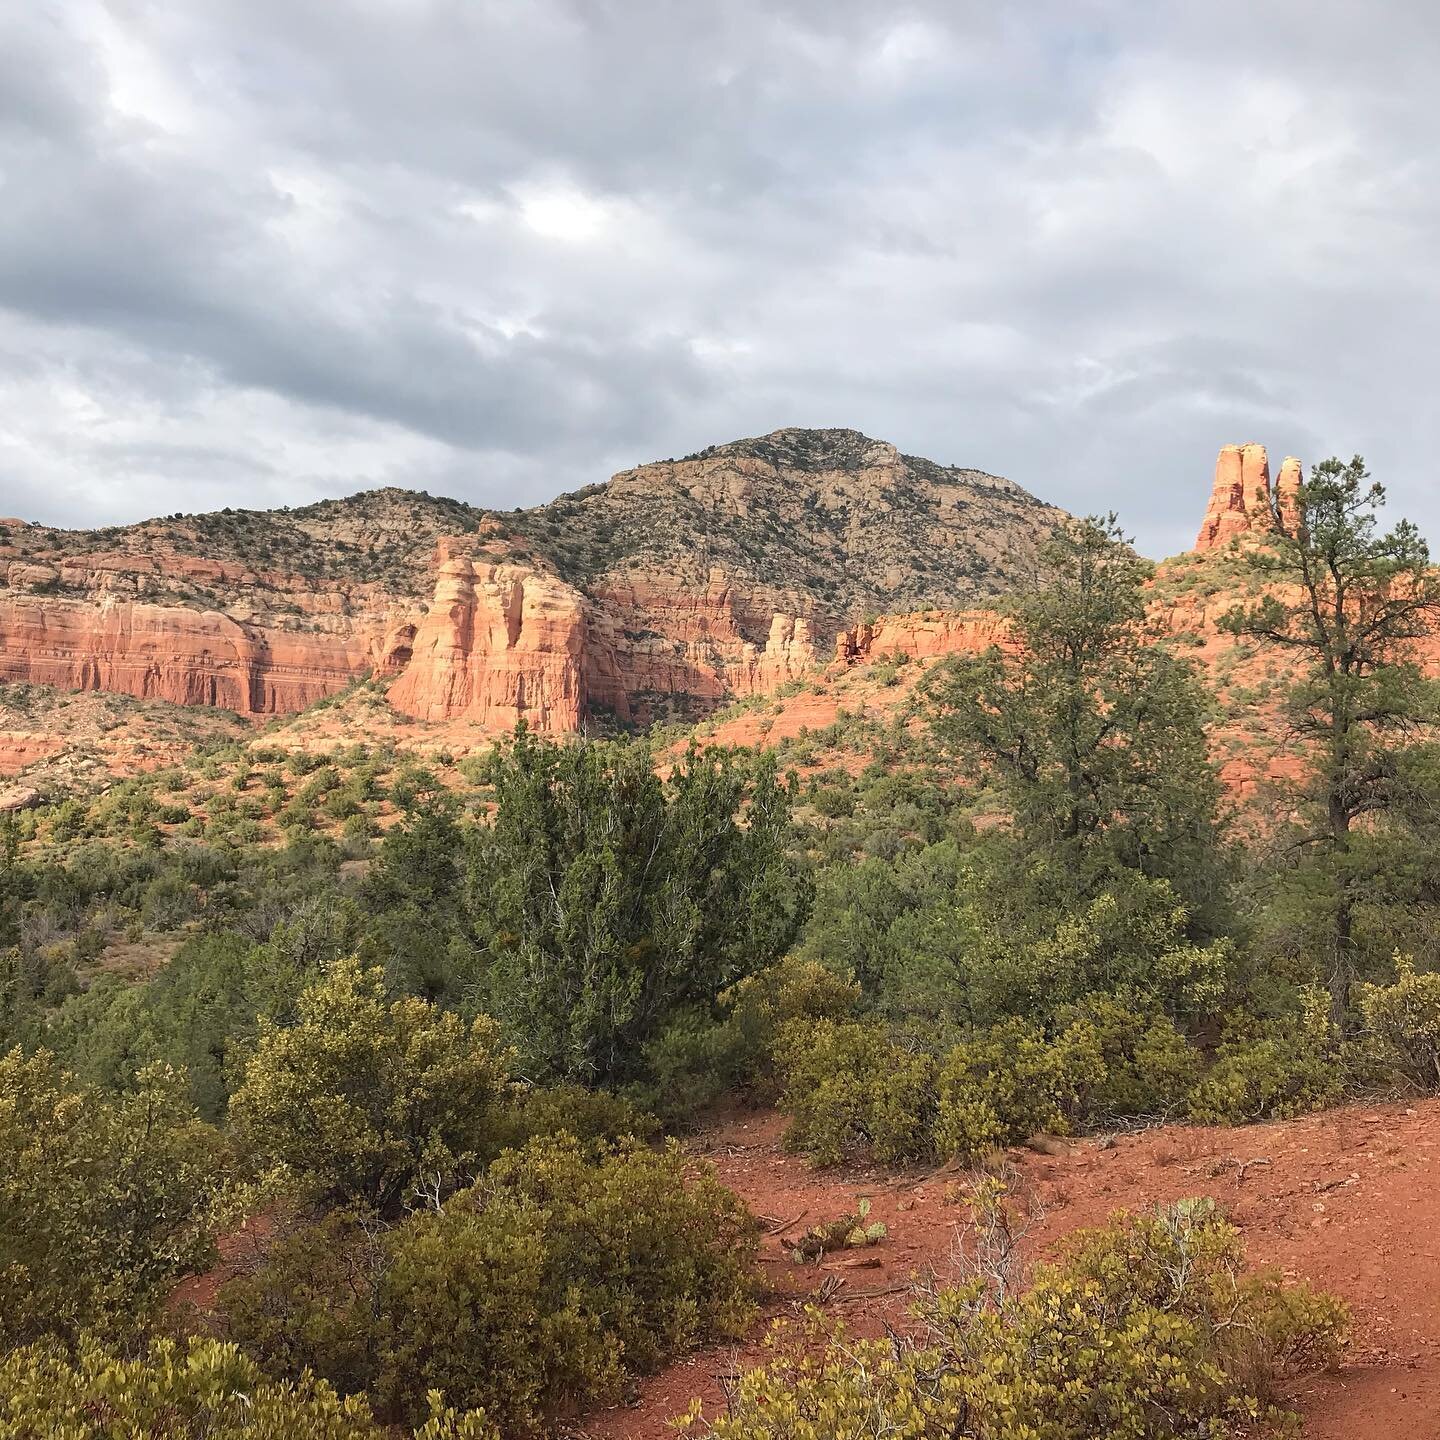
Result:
x=1349 y=1200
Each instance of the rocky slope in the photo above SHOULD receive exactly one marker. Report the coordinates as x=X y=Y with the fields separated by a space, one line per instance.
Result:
x=665 y=590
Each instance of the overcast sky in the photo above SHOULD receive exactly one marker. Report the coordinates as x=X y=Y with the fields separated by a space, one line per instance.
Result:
x=255 y=252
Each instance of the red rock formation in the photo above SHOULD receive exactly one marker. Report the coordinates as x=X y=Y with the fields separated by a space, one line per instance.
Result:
x=501 y=643
x=789 y=651
x=1244 y=503
x=666 y=591
x=19 y=750
x=1287 y=494
x=920 y=635
x=171 y=652
x=1241 y=502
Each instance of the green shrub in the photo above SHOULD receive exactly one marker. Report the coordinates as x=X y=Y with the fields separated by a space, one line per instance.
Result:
x=310 y=1304
x=590 y=1270
x=588 y=1115
x=1276 y=1068
x=1149 y=1066
x=1402 y=1026
x=1150 y=1330
x=833 y=802
x=1010 y=1082
x=847 y=1085
x=698 y=1058
x=363 y=1098
x=206 y=1391
x=104 y=1202
x=539 y=1289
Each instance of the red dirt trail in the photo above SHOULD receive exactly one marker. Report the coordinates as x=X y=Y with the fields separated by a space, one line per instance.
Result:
x=1348 y=1200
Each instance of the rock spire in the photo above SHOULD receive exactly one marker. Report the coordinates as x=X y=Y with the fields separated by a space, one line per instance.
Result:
x=1243 y=501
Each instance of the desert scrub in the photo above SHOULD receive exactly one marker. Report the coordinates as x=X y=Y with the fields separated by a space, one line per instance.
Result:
x=1151 y=1329
x=105 y=1200
x=205 y=1389
x=364 y=1097
x=1401 y=1034
x=1274 y=1069
x=567 y=1268
x=1010 y=1082
x=847 y=1086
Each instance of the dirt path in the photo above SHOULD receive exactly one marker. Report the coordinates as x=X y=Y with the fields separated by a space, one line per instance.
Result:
x=1349 y=1200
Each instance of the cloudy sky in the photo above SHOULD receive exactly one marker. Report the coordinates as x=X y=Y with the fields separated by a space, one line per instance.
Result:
x=262 y=251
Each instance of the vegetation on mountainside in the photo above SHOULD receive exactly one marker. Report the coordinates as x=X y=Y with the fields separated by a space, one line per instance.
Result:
x=818 y=519
x=816 y=515
x=425 y=1022
x=385 y=537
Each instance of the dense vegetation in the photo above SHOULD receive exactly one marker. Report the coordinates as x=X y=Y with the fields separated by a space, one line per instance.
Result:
x=424 y=1025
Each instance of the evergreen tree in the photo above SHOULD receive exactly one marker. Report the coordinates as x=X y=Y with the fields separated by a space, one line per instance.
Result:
x=604 y=898
x=1088 y=725
x=1349 y=604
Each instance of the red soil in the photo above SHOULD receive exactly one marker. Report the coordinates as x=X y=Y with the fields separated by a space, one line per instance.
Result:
x=1348 y=1200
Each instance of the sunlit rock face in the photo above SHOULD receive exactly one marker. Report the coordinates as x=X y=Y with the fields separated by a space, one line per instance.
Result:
x=1244 y=502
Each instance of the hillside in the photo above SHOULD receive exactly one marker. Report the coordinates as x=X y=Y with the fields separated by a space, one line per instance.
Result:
x=668 y=589
x=510 y=632
x=830 y=522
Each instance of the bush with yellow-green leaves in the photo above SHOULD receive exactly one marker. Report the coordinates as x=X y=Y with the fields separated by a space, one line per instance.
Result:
x=105 y=1200
x=364 y=1097
x=204 y=1391
x=566 y=1268
x=1151 y=1329
x=1402 y=1026
x=849 y=1084
x=1274 y=1069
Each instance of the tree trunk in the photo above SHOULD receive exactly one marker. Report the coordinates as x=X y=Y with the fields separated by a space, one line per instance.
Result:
x=1342 y=960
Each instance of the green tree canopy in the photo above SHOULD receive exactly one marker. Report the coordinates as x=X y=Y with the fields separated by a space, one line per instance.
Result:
x=1349 y=603
x=1090 y=728
x=604 y=898
x=104 y=1201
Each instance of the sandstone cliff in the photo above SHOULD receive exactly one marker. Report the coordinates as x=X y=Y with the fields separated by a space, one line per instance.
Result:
x=501 y=643
x=734 y=570
x=89 y=624
x=1243 y=501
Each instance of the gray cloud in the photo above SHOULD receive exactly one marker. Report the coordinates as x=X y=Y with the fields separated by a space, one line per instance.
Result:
x=260 y=252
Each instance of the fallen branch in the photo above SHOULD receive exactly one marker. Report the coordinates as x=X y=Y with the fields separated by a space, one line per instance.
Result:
x=874 y=1294
x=782 y=1226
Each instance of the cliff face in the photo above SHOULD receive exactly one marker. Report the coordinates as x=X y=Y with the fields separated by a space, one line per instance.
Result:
x=734 y=570
x=501 y=643
x=665 y=591
x=1243 y=502
x=116 y=622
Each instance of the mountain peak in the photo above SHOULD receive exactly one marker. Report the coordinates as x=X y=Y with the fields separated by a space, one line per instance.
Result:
x=801 y=448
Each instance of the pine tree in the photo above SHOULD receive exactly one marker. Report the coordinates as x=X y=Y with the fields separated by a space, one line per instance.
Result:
x=1349 y=604
x=1091 y=729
